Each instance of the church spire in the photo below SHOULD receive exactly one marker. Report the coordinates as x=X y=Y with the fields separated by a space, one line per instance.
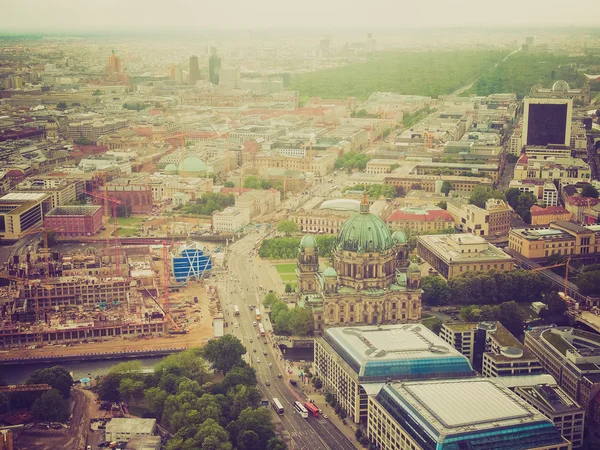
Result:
x=364 y=204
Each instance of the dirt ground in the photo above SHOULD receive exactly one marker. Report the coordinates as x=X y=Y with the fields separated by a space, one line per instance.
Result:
x=199 y=333
x=73 y=438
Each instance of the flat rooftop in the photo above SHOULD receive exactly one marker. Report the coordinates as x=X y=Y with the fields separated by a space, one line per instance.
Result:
x=549 y=399
x=396 y=351
x=75 y=210
x=131 y=425
x=450 y=248
x=23 y=197
x=465 y=409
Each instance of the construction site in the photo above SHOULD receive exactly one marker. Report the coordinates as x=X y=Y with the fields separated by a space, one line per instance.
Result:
x=105 y=298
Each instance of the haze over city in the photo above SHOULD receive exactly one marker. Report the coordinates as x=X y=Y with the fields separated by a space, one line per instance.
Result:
x=238 y=15
x=322 y=225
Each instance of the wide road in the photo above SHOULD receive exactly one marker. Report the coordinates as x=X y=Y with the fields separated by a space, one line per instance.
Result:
x=241 y=287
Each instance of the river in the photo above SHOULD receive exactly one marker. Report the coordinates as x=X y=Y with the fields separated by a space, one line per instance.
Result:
x=18 y=373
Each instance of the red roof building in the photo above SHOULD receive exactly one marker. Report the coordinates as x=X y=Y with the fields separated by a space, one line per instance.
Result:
x=545 y=216
x=419 y=220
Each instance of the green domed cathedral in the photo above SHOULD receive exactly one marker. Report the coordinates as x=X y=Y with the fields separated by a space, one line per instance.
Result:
x=370 y=281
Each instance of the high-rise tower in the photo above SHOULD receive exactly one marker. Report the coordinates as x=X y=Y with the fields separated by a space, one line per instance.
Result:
x=194 y=69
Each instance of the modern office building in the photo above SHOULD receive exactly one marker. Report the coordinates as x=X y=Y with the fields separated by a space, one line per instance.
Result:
x=491 y=349
x=21 y=211
x=471 y=413
x=455 y=254
x=572 y=357
x=349 y=359
x=547 y=121
x=194 y=74
x=556 y=405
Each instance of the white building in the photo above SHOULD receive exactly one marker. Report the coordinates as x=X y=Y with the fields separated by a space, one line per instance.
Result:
x=123 y=429
x=231 y=219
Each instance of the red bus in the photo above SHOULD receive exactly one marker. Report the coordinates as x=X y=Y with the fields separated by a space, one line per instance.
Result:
x=312 y=409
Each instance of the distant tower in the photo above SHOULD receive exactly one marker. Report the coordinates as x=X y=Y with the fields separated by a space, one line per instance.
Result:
x=214 y=66
x=114 y=64
x=194 y=69
x=308 y=264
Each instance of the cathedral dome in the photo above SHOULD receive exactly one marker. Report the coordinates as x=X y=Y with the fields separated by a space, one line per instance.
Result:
x=330 y=272
x=308 y=241
x=364 y=232
x=192 y=164
x=170 y=168
x=413 y=268
x=561 y=86
x=399 y=237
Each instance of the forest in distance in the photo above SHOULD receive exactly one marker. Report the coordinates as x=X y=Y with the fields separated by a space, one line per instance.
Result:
x=440 y=73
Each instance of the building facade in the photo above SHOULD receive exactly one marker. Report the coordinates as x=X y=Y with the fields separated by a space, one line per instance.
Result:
x=455 y=254
x=81 y=220
x=371 y=279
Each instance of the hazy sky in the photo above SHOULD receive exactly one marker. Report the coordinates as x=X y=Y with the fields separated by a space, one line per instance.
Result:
x=94 y=15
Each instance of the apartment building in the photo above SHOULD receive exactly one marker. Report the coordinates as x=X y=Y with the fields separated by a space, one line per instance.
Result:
x=493 y=220
x=420 y=220
x=545 y=216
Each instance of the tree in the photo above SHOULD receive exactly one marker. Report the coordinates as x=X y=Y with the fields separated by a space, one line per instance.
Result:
x=276 y=444
x=257 y=421
x=555 y=307
x=58 y=377
x=442 y=205
x=482 y=194
x=97 y=92
x=511 y=316
x=512 y=159
x=435 y=291
x=317 y=383
x=212 y=431
x=288 y=288
x=589 y=191
x=61 y=106
x=224 y=353
x=525 y=202
x=108 y=387
x=189 y=364
x=126 y=367
x=130 y=389
x=51 y=406
x=155 y=399
x=287 y=226
x=512 y=197
x=82 y=141
x=228 y=184
x=446 y=187
x=269 y=299
x=588 y=282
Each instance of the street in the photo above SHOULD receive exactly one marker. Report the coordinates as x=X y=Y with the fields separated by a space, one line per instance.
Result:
x=241 y=287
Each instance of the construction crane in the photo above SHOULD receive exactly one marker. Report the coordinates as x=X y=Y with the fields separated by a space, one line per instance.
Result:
x=566 y=264
x=165 y=255
x=115 y=203
x=178 y=329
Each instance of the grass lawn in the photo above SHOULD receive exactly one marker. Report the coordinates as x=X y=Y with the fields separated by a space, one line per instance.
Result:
x=127 y=232
x=285 y=268
x=128 y=221
x=288 y=277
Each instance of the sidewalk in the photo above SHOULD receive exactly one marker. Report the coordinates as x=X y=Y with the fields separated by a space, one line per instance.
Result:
x=348 y=429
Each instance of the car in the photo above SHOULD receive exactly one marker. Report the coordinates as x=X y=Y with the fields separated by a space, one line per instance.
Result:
x=254 y=350
x=270 y=364
x=251 y=340
x=254 y=323
x=325 y=416
x=279 y=375
x=258 y=335
x=89 y=447
x=267 y=383
x=257 y=360
x=265 y=352
x=237 y=325
x=264 y=341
